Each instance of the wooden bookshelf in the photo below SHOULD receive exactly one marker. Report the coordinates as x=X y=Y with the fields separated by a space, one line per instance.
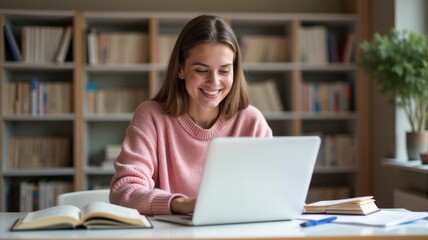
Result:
x=90 y=132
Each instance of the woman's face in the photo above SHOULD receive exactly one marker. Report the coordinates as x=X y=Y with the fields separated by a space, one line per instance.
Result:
x=208 y=75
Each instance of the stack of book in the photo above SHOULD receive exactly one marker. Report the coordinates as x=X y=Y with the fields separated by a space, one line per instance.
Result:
x=264 y=48
x=112 y=151
x=318 y=45
x=326 y=96
x=38 y=97
x=117 y=47
x=359 y=205
x=313 y=44
x=166 y=45
x=41 y=195
x=264 y=96
x=45 y=44
x=119 y=100
x=39 y=152
x=338 y=150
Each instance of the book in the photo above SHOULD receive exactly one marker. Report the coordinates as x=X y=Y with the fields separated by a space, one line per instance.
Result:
x=359 y=206
x=64 y=45
x=16 y=53
x=92 y=46
x=348 y=48
x=95 y=215
x=40 y=44
x=264 y=96
x=264 y=48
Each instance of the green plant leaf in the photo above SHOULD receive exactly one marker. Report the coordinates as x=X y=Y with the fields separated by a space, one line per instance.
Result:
x=398 y=61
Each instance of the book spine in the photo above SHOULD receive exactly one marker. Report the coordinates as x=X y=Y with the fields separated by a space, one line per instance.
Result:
x=64 y=45
x=12 y=43
x=34 y=96
x=92 y=46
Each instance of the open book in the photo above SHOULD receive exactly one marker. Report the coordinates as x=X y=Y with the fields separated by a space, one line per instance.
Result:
x=359 y=205
x=96 y=215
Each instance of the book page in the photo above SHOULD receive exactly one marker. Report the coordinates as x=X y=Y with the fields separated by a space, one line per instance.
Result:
x=114 y=212
x=334 y=202
x=65 y=215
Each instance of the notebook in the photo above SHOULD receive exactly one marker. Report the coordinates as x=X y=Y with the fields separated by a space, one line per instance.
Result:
x=253 y=180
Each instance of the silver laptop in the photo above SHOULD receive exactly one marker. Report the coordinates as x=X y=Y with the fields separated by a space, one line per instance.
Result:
x=253 y=180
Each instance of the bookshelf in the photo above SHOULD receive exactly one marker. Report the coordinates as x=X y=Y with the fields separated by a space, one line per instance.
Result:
x=31 y=154
x=90 y=131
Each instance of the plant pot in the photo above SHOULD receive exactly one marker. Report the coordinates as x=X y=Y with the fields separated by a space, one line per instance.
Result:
x=416 y=143
x=424 y=158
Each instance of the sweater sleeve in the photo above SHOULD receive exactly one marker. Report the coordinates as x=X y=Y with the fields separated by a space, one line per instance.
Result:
x=259 y=125
x=133 y=184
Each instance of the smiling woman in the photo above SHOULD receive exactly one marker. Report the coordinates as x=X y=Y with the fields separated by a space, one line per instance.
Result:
x=204 y=95
x=208 y=77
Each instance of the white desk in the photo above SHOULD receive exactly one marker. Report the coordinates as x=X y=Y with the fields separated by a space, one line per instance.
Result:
x=269 y=230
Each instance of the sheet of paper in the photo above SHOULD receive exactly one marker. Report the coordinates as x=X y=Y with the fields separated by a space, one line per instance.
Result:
x=383 y=218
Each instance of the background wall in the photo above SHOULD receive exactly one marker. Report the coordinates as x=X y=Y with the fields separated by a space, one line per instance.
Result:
x=181 y=5
x=383 y=116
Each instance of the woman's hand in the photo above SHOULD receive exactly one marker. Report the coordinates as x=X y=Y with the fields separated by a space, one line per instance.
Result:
x=182 y=205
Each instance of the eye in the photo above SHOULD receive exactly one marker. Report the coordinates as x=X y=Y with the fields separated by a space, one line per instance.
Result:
x=201 y=70
x=225 y=71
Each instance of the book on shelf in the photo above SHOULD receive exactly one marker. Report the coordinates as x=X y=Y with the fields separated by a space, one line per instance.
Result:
x=11 y=41
x=166 y=45
x=119 y=100
x=42 y=194
x=264 y=48
x=64 y=45
x=332 y=47
x=264 y=96
x=40 y=44
x=112 y=151
x=358 y=205
x=339 y=150
x=313 y=44
x=320 y=96
x=39 y=152
x=347 y=48
x=37 y=97
x=92 y=43
x=117 y=47
x=95 y=215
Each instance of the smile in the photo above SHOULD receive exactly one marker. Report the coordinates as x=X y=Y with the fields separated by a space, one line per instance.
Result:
x=211 y=92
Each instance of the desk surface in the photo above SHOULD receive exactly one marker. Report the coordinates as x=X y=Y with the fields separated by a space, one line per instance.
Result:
x=268 y=230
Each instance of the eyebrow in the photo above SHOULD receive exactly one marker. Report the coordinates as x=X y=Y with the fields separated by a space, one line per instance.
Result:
x=206 y=65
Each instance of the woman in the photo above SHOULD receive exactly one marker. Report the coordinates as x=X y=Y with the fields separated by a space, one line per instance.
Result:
x=204 y=95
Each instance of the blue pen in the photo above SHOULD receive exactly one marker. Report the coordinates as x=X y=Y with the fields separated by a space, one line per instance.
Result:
x=317 y=222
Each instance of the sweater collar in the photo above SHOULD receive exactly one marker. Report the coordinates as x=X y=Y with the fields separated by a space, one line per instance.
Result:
x=196 y=131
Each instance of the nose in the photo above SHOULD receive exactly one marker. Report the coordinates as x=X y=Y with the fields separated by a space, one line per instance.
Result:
x=214 y=77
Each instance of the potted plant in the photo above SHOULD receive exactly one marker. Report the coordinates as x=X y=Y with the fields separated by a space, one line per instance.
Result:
x=398 y=61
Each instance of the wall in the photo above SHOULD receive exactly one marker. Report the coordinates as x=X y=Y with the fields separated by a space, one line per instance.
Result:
x=181 y=5
x=408 y=15
x=383 y=116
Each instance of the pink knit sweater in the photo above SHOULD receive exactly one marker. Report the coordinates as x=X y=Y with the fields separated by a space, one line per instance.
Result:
x=163 y=157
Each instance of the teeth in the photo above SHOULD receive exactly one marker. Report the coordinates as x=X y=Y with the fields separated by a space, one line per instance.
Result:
x=211 y=92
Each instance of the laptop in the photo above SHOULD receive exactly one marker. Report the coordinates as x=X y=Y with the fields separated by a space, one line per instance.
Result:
x=253 y=180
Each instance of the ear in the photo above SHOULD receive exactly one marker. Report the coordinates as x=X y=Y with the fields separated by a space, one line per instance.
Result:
x=180 y=73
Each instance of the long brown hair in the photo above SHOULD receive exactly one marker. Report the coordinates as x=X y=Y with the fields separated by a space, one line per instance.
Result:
x=202 y=29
